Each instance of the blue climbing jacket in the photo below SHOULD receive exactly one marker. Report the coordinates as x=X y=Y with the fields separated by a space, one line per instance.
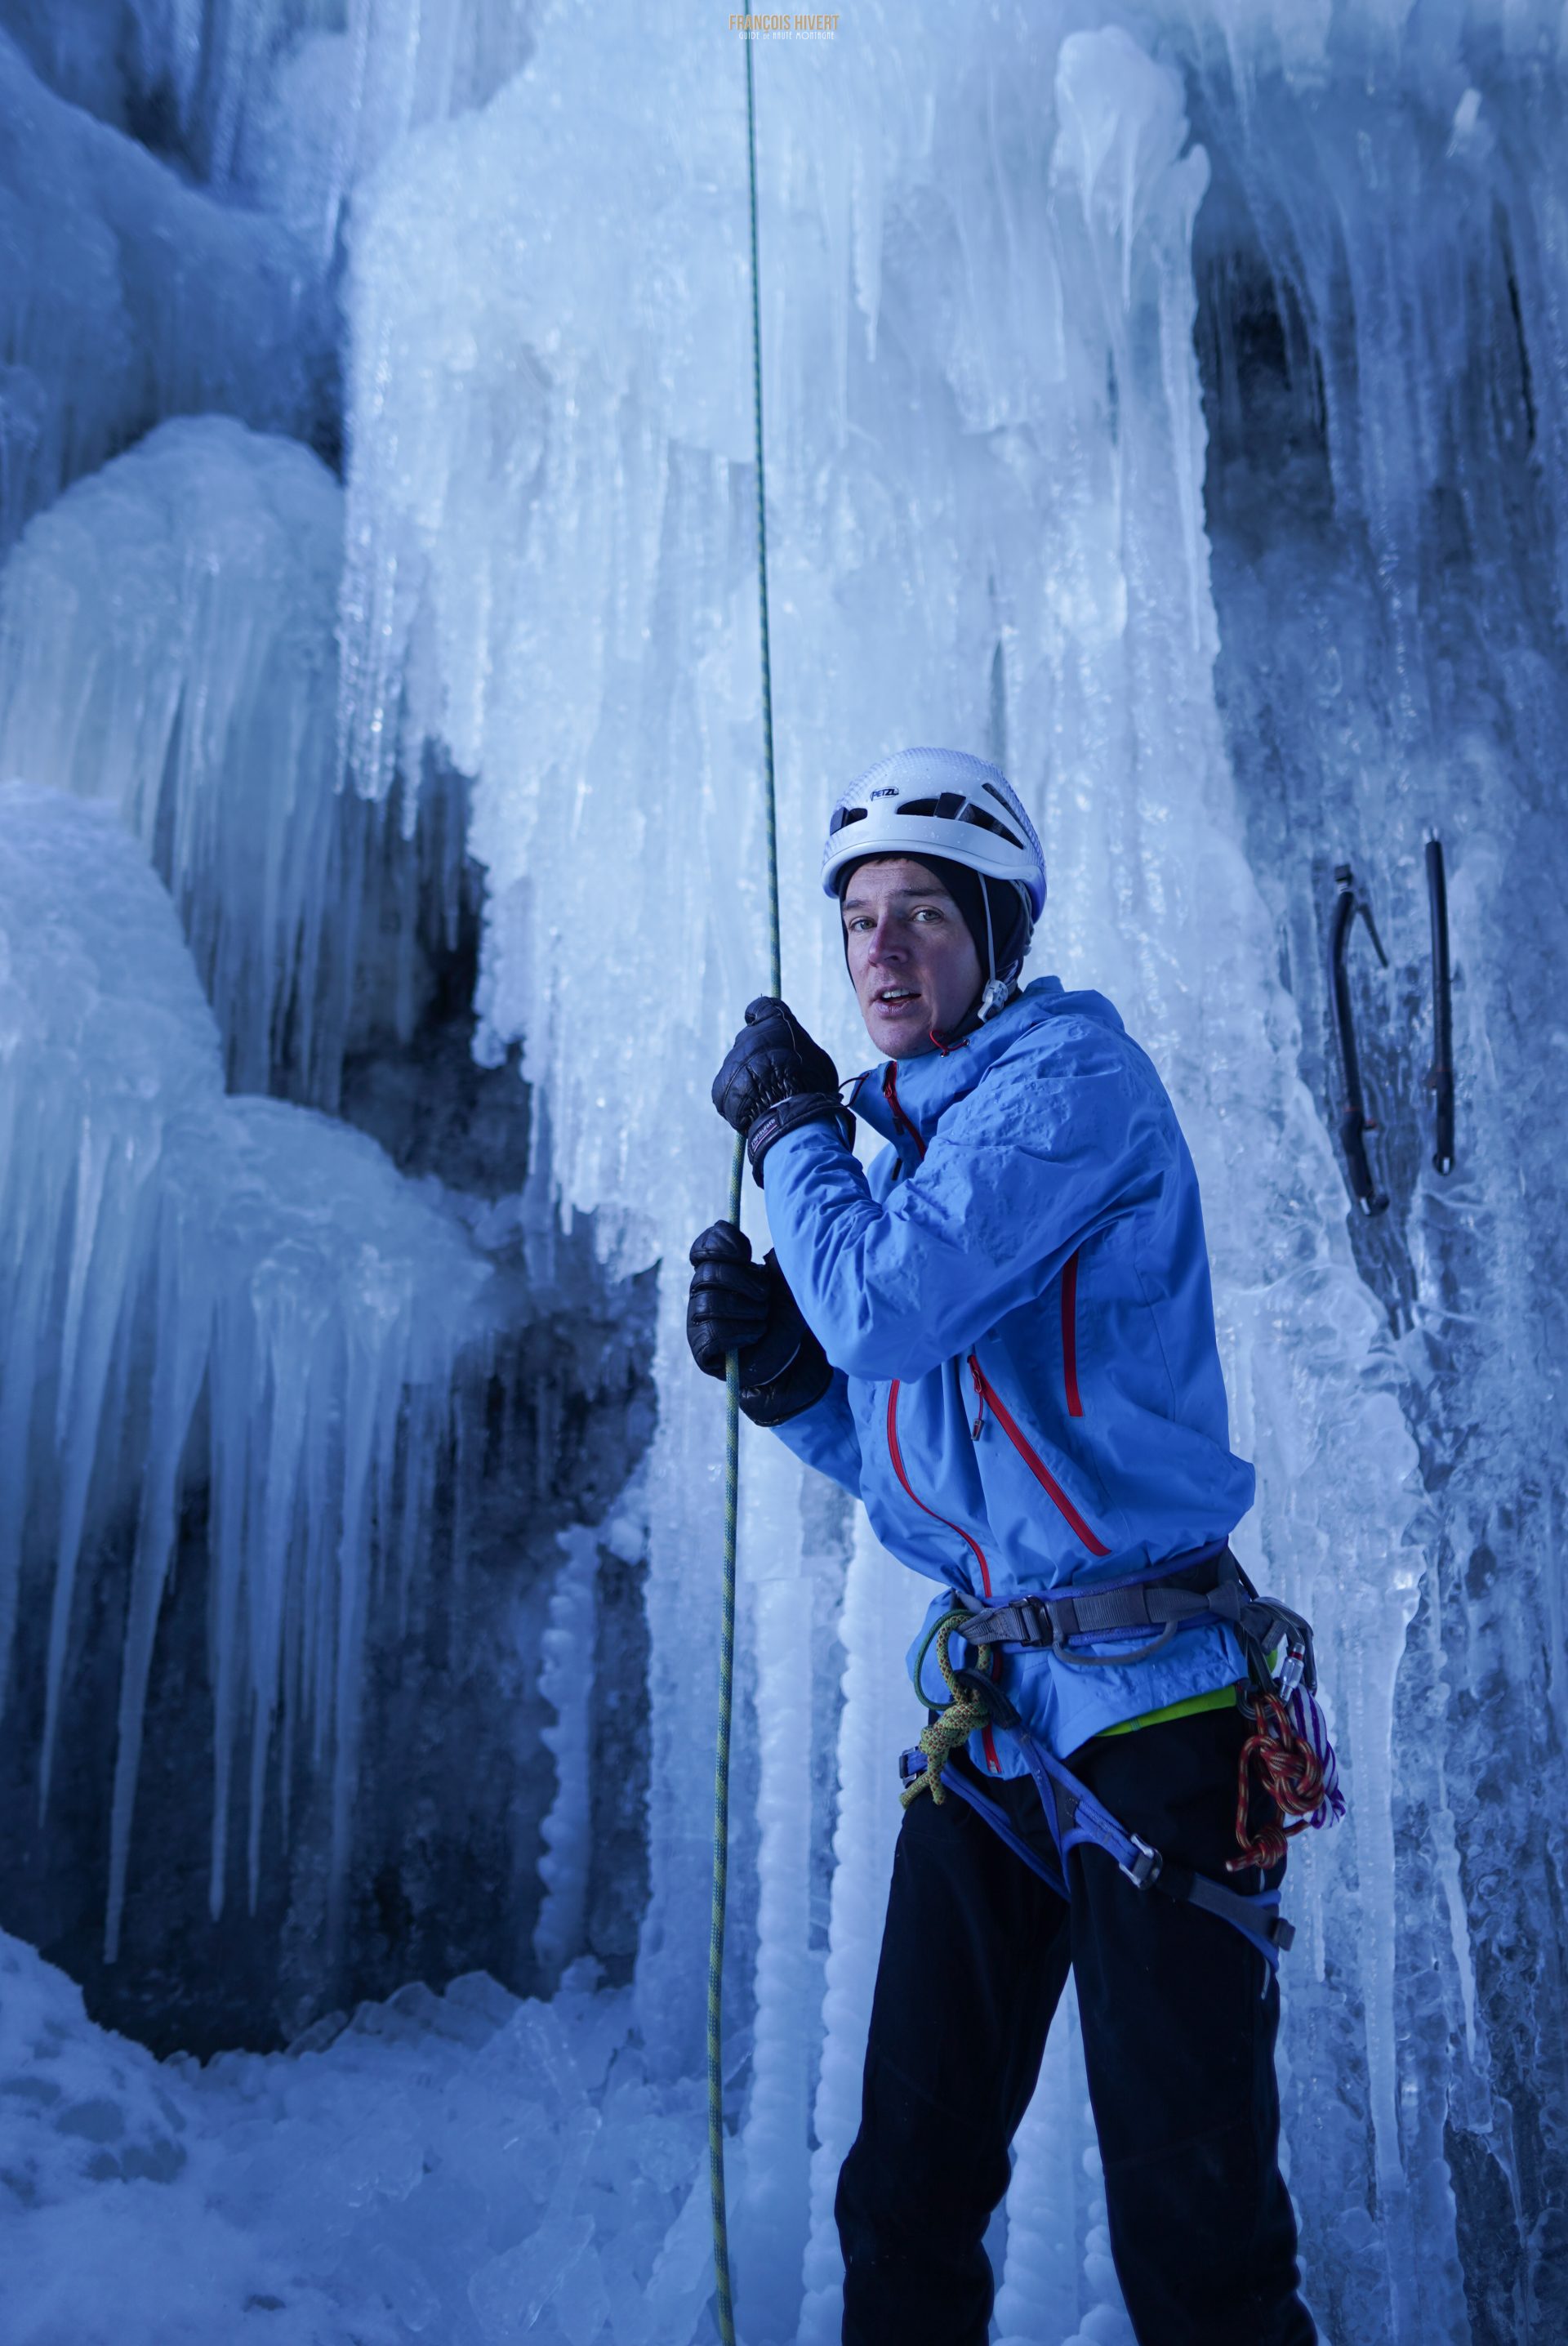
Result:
x=1015 y=1300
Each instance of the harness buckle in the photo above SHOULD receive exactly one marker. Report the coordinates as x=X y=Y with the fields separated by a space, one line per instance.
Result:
x=1035 y=1619
x=1144 y=1867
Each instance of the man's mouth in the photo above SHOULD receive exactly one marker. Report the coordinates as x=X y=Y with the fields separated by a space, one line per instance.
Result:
x=894 y=997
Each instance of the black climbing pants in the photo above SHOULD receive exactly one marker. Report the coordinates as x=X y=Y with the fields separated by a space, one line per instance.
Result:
x=1177 y=2038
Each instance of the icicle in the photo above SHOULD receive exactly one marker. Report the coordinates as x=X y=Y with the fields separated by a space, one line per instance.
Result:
x=566 y=1684
x=1042 y=2293
x=177 y=1384
x=768 y=2221
x=239 y=1253
x=164 y=635
x=883 y=1606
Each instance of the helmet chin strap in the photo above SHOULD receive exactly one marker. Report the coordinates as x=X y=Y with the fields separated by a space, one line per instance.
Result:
x=997 y=991
x=993 y=995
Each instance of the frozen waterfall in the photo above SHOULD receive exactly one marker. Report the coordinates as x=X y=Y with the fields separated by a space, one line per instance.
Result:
x=185 y=1269
x=1170 y=403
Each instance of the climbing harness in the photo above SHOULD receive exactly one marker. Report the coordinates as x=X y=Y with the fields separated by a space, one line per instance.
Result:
x=1075 y=1816
x=724 y=2305
x=1205 y=1583
x=1355 y=1123
x=1289 y=1747
x=1440 y=1074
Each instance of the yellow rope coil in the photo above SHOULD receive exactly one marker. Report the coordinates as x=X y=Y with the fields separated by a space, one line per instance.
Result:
x=964 y=1716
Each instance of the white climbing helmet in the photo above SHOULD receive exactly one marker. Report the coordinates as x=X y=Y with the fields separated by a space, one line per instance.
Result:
x=937 y=803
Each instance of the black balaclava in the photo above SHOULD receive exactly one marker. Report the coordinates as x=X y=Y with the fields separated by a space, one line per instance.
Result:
x=1002 y=953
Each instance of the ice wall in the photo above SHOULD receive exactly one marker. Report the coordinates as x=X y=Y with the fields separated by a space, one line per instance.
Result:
x=167 y=646
x=282 y=102
x=342 y=96
x=987 y=476
x=129 y=296
x=198 y=1290
x=1387 y=515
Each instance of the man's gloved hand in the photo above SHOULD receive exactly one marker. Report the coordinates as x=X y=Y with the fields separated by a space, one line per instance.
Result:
x=728 y=1307
x=741 y=1306
x=774 y=1078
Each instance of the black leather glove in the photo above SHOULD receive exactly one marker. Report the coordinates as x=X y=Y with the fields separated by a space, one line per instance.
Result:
x=740 y=1306
x=774 y=1078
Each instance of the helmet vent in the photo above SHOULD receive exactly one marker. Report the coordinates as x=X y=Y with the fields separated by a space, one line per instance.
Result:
x=953 y=807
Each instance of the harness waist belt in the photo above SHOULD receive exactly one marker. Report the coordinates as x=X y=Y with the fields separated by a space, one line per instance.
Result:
x=1210 y=1589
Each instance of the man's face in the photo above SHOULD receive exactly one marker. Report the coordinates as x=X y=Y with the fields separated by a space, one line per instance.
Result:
x=911 y=957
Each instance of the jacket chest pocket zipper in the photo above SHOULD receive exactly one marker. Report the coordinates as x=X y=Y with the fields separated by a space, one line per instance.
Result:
x=987 y=1394
x=1069 y=1334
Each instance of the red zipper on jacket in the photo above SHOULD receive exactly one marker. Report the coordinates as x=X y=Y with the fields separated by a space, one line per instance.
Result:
x=890 y=1093
x=1070 y=1334
x=1036 y=1465
x=896 y=1454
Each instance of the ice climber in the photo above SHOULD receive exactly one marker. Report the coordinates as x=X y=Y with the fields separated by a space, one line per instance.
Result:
x=1001 y=1339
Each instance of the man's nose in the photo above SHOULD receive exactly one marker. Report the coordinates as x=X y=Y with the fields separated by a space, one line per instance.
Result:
x=887 y=939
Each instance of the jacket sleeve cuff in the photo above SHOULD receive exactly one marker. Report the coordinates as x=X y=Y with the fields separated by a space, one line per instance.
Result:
x=800 y=1108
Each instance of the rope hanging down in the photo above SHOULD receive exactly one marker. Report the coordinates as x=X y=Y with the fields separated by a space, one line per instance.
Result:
x=732 y=1367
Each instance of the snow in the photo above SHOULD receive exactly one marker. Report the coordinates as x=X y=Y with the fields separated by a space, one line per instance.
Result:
x=463 y=2168
x=1225 y=626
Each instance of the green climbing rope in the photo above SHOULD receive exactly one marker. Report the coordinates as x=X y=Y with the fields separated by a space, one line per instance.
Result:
x=721 y=1820
x=726 y=2308
x=769 y=809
